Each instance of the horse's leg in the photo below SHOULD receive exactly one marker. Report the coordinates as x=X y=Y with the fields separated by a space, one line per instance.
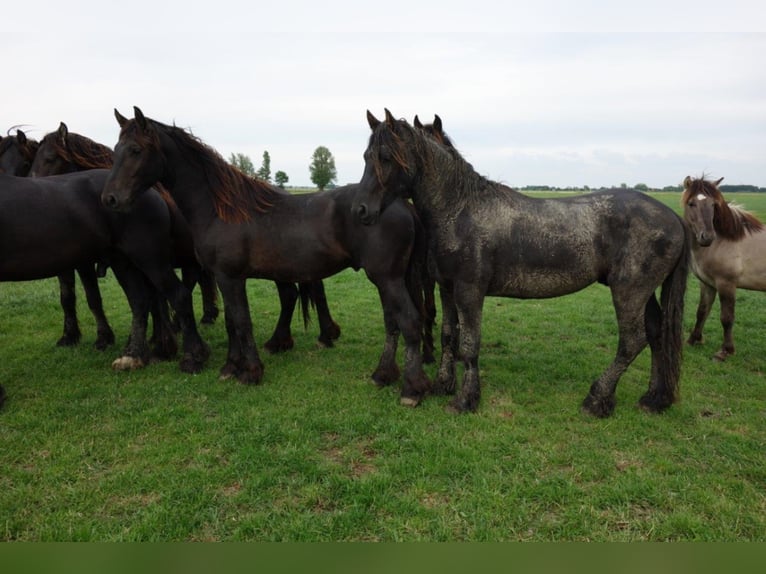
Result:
x=68 y=300
x=139 y=294
x=282 y=339
x=242 y=360
x=630 y=309
x=468 y=303
x=329 y=330
x=387 y=371
x=195 y=351
x=707 y=297
x=727 y=295
x=163 y=340
x=445 y=382
x=396 y=298
x=104 y=333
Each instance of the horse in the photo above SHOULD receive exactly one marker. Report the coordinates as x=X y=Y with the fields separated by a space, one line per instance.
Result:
x=486 y=239
x=53 y=224
x=17 y=154
x=727 y=250
x=63 y=151
x=244 y=227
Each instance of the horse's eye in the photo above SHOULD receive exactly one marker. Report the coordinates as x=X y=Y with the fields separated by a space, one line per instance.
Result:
x=135 y=150
x=385 y=154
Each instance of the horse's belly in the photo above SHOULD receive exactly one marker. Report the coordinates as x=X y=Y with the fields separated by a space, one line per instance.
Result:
x=539 y=284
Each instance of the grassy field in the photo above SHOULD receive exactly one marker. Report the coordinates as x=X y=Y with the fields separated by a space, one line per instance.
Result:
x=318 y=453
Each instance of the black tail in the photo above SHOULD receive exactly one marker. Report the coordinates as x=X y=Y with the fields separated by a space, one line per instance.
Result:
x=306 y=292
x=671 y=348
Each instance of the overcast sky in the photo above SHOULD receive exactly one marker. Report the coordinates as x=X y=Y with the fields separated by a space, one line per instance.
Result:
x=562 y=93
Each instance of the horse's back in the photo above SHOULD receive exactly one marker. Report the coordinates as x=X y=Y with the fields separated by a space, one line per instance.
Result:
x=50 y=225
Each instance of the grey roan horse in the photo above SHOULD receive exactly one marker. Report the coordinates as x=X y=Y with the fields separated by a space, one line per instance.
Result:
x=487 y=239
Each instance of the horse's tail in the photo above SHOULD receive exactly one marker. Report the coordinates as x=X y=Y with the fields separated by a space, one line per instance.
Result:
x=420 y=285
x=671 y=337
x=306 y=293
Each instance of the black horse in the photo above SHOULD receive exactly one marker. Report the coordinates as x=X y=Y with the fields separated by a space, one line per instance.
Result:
x=17 y=154
x=54 y=224
x=63 y=152
x=487 y=239
x=244 y=227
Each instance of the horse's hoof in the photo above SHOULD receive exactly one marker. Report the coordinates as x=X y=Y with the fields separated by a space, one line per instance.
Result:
x=190 y=365
x=409 y=401
x=598 y=407
x=127 y=363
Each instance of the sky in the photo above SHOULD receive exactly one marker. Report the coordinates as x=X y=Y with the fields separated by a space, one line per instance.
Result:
x=547 y=92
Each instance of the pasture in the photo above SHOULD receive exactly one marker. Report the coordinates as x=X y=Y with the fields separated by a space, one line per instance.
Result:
x=318 y=453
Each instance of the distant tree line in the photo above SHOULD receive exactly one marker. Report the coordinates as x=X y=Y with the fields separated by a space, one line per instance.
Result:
x=322 y=168
x=725 y=189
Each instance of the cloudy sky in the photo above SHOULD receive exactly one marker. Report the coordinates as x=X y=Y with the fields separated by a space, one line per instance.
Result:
x=562 y=93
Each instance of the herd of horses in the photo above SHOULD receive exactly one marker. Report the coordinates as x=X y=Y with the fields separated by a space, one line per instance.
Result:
x=420 y=216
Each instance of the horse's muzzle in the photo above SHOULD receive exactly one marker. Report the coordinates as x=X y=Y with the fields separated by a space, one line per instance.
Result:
x=705 y=238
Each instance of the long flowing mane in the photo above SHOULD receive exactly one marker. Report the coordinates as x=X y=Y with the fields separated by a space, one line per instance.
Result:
x=236 y=196
x=416 y=151
x=730 y=221
x=80 y=151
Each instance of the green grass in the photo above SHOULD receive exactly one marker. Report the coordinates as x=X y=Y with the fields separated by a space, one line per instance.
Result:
x=318 y=453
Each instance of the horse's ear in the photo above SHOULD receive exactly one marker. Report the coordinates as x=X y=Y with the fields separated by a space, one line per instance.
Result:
x=372 y=120
x=416 y=122
x=122 y=120
x=717 y=183
x=390 y=121
x=140 y=119
x=63 y=133
x=437 y=123
x=687 y=182
x=21 y=137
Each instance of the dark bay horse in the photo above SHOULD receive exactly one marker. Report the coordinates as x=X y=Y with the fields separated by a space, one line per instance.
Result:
x=728 y=252
x=17 y=154
x=489 y=240
x=244 y=227
x=52 y=224
x=63 y=152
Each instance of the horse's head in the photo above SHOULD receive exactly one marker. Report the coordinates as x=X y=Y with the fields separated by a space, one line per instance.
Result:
x=52 y=157
x=138 y=162
x=17 y=154
x=700 y=200
x=389 y=167
x=435 y=131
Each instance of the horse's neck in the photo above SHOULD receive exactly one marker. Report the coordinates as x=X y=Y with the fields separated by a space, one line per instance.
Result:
x=189 y=187
x=444 y=186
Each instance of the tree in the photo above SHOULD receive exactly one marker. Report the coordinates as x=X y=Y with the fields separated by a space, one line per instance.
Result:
x=243 y=163
x=322 y=168
x=281 y=178
x=265 y=171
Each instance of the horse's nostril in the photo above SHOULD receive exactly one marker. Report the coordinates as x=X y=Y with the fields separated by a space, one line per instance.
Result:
x=110 y=200
x=362 y=211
